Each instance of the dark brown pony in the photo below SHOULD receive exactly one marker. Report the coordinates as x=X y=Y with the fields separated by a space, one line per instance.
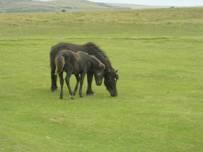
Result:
x=77 y=63
x=110 y=75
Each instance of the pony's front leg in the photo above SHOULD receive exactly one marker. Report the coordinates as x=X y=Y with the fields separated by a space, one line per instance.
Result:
x=89 y=84
x=61 y=83
x=77 y=82
x=81 y=84
x=68 y=84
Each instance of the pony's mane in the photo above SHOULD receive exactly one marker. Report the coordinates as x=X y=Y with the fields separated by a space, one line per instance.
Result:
x=93 y=49
x=96 y=59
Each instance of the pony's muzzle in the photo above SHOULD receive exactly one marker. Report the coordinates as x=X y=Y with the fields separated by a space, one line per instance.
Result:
x=114 y=93
x=99 y=82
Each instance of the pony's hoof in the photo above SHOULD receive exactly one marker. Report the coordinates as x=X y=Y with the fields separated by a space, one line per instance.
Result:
x=53 y=89
x=91 y=94
x=71 y=97
x=61 y=98
x=81 y=96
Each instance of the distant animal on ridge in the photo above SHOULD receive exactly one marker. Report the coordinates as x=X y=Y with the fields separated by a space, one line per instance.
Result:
x=77 y=63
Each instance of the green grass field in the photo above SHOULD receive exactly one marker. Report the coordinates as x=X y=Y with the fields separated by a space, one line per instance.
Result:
x=159 y=54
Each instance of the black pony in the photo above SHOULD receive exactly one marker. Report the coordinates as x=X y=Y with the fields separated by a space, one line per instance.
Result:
x=110 y=75
x=77 y=63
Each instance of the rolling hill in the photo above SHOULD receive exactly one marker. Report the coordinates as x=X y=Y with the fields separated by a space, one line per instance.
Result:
x=49 y=6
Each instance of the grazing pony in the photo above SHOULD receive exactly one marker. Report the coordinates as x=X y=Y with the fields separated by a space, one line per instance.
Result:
x=110 y=75
x=79 y=64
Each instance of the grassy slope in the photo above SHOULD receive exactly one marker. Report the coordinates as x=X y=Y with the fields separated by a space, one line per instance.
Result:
x=159 y=54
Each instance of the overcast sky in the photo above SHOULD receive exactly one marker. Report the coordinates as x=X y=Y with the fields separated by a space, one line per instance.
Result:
x=157 y=2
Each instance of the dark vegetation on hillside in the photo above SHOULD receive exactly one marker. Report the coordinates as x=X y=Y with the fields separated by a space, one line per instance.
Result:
x=52 y=6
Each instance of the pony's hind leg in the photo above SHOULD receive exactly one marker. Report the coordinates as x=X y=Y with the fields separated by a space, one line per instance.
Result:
x=68 y=84
x=77 y=82
x=61 y=83
x=81 y=84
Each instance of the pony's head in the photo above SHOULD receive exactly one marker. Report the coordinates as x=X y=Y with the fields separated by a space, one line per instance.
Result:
x=99 y=68
x=110 y=80
x=99 y=74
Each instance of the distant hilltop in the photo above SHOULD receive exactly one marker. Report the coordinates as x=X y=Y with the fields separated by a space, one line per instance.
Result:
x=49 y=6
x=59 y=5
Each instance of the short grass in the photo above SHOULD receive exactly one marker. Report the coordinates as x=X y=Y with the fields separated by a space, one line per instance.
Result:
x=159 y=54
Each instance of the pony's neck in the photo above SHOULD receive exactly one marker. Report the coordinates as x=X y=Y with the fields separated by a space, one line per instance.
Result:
x=95 y=62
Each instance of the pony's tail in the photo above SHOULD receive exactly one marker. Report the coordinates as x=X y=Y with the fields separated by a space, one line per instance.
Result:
x=60 y=62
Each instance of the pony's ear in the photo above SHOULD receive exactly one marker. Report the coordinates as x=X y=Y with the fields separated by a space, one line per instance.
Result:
x=117 y=76
x=101 y=65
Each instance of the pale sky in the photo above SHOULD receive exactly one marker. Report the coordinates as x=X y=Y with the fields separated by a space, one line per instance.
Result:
x=157 y=2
